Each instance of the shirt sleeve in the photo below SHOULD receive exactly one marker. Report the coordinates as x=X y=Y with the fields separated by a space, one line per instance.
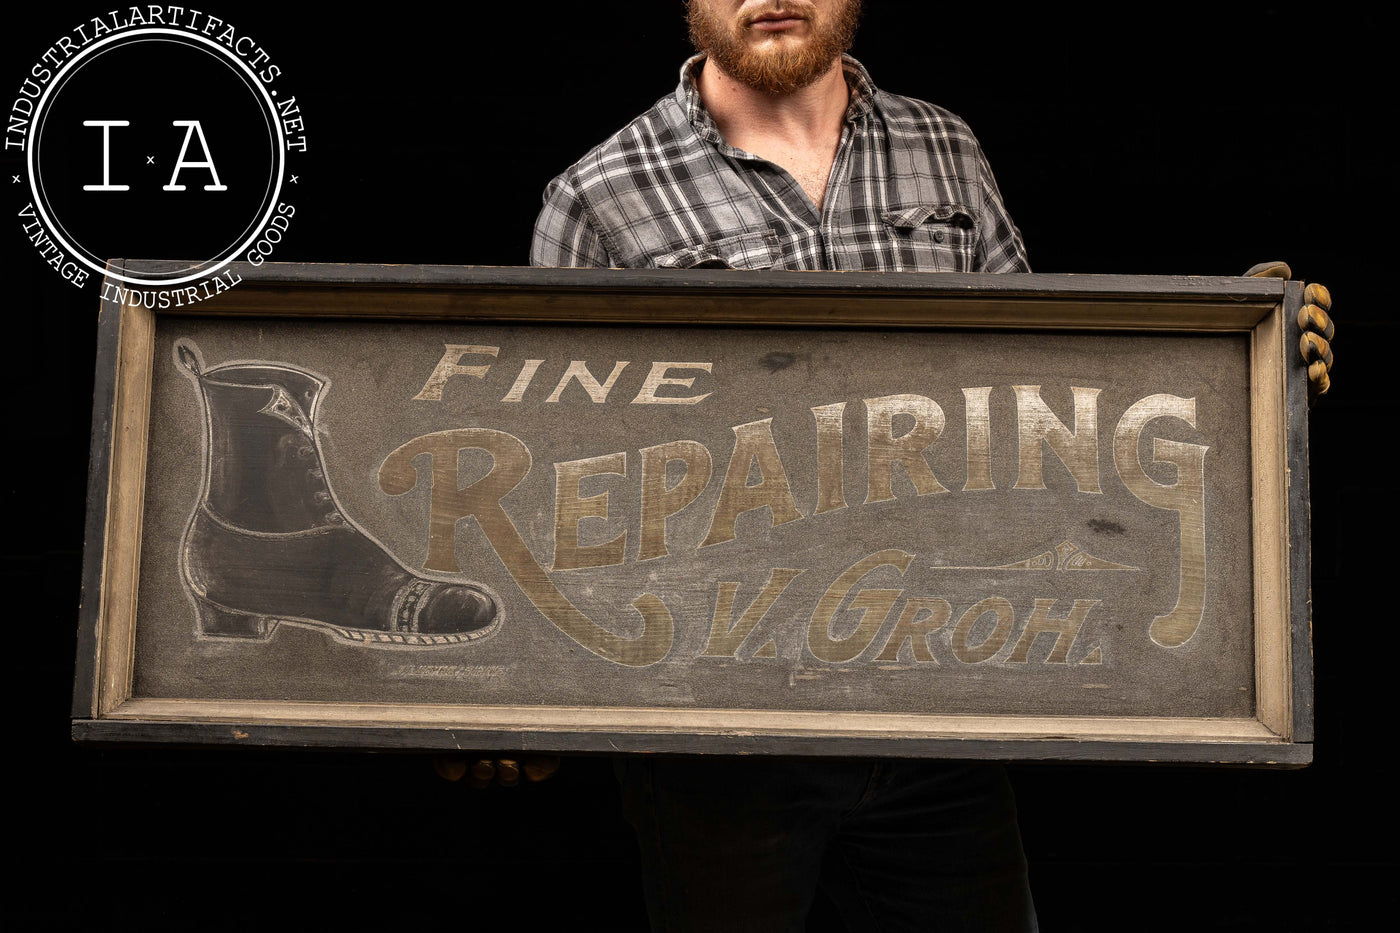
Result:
x=999 y=247
x=564 y=234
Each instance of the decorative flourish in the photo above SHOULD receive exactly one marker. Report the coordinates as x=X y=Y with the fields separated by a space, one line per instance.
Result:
x=1064 y=556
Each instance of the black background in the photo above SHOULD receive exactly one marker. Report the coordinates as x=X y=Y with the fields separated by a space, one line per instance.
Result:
x=1188 y=140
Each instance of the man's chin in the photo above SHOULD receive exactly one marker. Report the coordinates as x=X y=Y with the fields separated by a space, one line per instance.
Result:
x=777 y=70
x=774 y=61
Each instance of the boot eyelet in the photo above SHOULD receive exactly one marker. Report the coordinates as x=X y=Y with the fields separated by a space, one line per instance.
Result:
x=322 y=496
x=304 y=451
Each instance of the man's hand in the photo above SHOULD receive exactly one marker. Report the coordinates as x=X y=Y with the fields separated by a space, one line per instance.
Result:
x=481 y=772
x=1315 y=322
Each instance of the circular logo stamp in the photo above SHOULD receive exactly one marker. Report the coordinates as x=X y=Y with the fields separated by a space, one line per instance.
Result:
x=156 y=133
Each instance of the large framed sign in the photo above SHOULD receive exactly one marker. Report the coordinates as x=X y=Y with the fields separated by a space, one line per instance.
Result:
x=1021 y=516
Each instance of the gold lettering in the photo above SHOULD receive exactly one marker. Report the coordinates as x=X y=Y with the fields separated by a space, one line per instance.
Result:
x=972 y=654
x=874 y=607
x=1078 y=450
x=447 y=505
x=1186 y=497
x=1066 y=630
x=657 y=378
x=726 y=633
x=831 y=476
x=659 y=501
x=884 y=451
x=449 y=366
x=922 y=616
x=655 y=617
x=979 y=438
x=570 y=509
x=522 y=381
x=753 y=443
x=578 y=369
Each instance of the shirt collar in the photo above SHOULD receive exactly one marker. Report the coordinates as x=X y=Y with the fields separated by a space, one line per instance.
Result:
x=862 y=90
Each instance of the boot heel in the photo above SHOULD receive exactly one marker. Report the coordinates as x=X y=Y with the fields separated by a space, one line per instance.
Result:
x=228 y=623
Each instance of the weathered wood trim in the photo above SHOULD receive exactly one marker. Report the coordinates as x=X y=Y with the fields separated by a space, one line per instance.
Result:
x=863 y=311
x=418 y=738
x=1299 y=518
x=278 y=276
x=673 y=296
x=1268 y=433
x=698 y=721
x=104 y=390
x=126 y=492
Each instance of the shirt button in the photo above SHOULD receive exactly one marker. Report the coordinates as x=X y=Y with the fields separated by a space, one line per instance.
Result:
x=938 y=236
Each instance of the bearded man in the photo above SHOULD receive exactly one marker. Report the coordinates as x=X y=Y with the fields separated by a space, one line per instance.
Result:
x=776 y=151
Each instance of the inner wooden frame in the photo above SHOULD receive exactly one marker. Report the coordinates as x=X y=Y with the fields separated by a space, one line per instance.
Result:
x=1279 y=733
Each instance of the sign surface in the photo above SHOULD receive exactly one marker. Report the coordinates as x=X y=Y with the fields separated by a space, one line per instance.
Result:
x=710 y=516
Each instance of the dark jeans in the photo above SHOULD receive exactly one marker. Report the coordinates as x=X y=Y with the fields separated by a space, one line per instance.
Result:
x=733 y=844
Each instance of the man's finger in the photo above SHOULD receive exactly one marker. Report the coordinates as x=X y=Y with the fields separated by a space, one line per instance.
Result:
x=1315 y=349
x=540 y=767
x=1318 y=378
x=1269 y=270
x=507 y=772
x=1316 y=294
x=1313 y=318
x=482 y=773
x=450 y=767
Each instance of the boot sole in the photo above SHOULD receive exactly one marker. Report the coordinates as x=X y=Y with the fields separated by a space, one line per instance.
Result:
x=221 y=622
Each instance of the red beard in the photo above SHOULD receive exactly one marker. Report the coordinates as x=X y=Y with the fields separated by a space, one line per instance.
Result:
x=778 y=65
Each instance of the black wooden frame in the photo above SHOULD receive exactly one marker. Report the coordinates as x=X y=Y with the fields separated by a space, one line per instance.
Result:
x=1078 y=303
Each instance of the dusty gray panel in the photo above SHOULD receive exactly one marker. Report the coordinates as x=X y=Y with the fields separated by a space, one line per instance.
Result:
x=1005 y=545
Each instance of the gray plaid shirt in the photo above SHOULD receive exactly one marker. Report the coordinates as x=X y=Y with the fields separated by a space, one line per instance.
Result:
x=909 y=191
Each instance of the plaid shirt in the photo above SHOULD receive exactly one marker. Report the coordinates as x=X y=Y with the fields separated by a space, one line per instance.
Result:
x=909 y=191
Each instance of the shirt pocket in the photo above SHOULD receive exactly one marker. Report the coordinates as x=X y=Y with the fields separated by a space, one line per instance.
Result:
x=932 y=237
x=754 y=250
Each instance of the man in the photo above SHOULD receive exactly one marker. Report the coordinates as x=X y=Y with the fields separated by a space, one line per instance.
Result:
x=777 y=151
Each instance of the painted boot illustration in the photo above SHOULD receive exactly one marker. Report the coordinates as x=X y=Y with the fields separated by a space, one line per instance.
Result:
x=268 y=542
